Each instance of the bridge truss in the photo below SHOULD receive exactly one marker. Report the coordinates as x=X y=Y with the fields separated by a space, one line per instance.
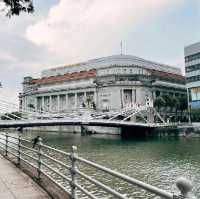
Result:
x=10 y=111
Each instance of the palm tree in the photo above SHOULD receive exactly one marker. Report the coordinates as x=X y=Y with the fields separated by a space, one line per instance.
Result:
x=177 y=104
x=183 y=103
x=159 y=102
x=168 y=101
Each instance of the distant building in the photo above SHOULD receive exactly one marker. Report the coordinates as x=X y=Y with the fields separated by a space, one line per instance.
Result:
x=107 y=83
x=192 y=70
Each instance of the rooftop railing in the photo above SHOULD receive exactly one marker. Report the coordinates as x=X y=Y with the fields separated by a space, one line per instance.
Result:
x=65 y=171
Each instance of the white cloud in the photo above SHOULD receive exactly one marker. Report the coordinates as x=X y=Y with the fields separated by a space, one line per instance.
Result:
x=7 y=56
x=178 y=62
x=78 y=29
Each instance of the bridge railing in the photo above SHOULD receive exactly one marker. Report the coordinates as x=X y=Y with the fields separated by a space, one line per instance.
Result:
x=65 y=170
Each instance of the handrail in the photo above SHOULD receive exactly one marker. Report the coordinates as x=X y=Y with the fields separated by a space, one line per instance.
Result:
x=128 y=179
x=85 y=191
x=27 y=141
x=55 y=182
x=30 y=156
x=37 y=156
x=2 y=143
x=56 y=161
x=101 y=185
x=15 y=143
x=30 y=149
x=57 y=172
x=10 y=136
x=13 y=148
x=56 y=150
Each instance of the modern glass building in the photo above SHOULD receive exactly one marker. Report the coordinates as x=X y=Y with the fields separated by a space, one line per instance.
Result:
x=192 y=70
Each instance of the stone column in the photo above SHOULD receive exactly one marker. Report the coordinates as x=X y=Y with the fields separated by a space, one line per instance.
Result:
x=85 y=97
x=35 y=103
x=122 y=94
x=66 y=102
x=134 y=96
x=75 y=101
x=25 y=103
x=95 y=97
x=43 y=108
x=121 y=98
x=58 y=103
x=50 y=103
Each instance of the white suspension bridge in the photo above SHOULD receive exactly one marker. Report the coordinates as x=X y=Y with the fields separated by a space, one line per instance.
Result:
x=12 y=116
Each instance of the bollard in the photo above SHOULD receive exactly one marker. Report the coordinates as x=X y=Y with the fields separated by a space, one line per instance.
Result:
x=185 y=186
x=19 y=148
x=39 y=158
x=73 y=156
x=6 y=146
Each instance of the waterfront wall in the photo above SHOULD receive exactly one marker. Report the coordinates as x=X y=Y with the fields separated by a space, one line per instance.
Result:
x=77 y=129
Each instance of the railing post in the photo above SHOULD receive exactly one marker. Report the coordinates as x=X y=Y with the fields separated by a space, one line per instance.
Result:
x=73 y=156
x=185 y=186
x=19 y=148
x=39 y=158
x=6 y=146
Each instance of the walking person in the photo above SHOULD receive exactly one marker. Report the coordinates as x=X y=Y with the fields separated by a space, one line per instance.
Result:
x=35 y=141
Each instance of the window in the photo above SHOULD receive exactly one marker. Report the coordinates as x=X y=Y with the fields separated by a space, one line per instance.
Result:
x=193 y=79
x=192 y=57
x=192 y=68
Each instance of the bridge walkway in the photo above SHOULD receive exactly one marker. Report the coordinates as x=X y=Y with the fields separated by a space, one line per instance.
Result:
x=14 y=184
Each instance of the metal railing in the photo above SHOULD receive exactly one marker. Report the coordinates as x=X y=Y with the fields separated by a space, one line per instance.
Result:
x=43 y=157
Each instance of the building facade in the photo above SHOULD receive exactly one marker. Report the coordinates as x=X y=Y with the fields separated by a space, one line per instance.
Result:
x=108 y=83
x=192 y=70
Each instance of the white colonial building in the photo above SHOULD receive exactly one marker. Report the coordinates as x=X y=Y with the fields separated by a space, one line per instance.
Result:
x=105 y=84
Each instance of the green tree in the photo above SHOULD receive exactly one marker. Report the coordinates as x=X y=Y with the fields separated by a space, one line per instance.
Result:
x=183 y=103
x=16 y=7
x=177 y=103
x=159 y=102
x=168 y=101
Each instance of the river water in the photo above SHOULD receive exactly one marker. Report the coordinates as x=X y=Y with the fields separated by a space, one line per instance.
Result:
x=158 y=162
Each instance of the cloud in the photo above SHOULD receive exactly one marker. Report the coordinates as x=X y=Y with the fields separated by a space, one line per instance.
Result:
x=7 y=56
x=67 y=31
x=77 y=29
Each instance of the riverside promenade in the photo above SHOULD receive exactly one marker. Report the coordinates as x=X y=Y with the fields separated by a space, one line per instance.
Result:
x=14 y=184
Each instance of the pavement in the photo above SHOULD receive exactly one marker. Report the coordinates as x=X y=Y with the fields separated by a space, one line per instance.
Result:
x=14 y=184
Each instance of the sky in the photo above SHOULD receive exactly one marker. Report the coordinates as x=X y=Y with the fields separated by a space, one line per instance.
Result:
x=69 y=31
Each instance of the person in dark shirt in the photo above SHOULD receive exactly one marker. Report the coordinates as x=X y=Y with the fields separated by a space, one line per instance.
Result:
x=35 y=141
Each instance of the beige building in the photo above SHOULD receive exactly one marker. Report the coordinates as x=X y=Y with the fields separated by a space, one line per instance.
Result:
x=107 y=83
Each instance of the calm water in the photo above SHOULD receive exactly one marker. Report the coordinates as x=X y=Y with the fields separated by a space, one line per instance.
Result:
x=158 y=162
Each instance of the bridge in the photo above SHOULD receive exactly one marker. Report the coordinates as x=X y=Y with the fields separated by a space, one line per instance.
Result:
x=13 y=117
